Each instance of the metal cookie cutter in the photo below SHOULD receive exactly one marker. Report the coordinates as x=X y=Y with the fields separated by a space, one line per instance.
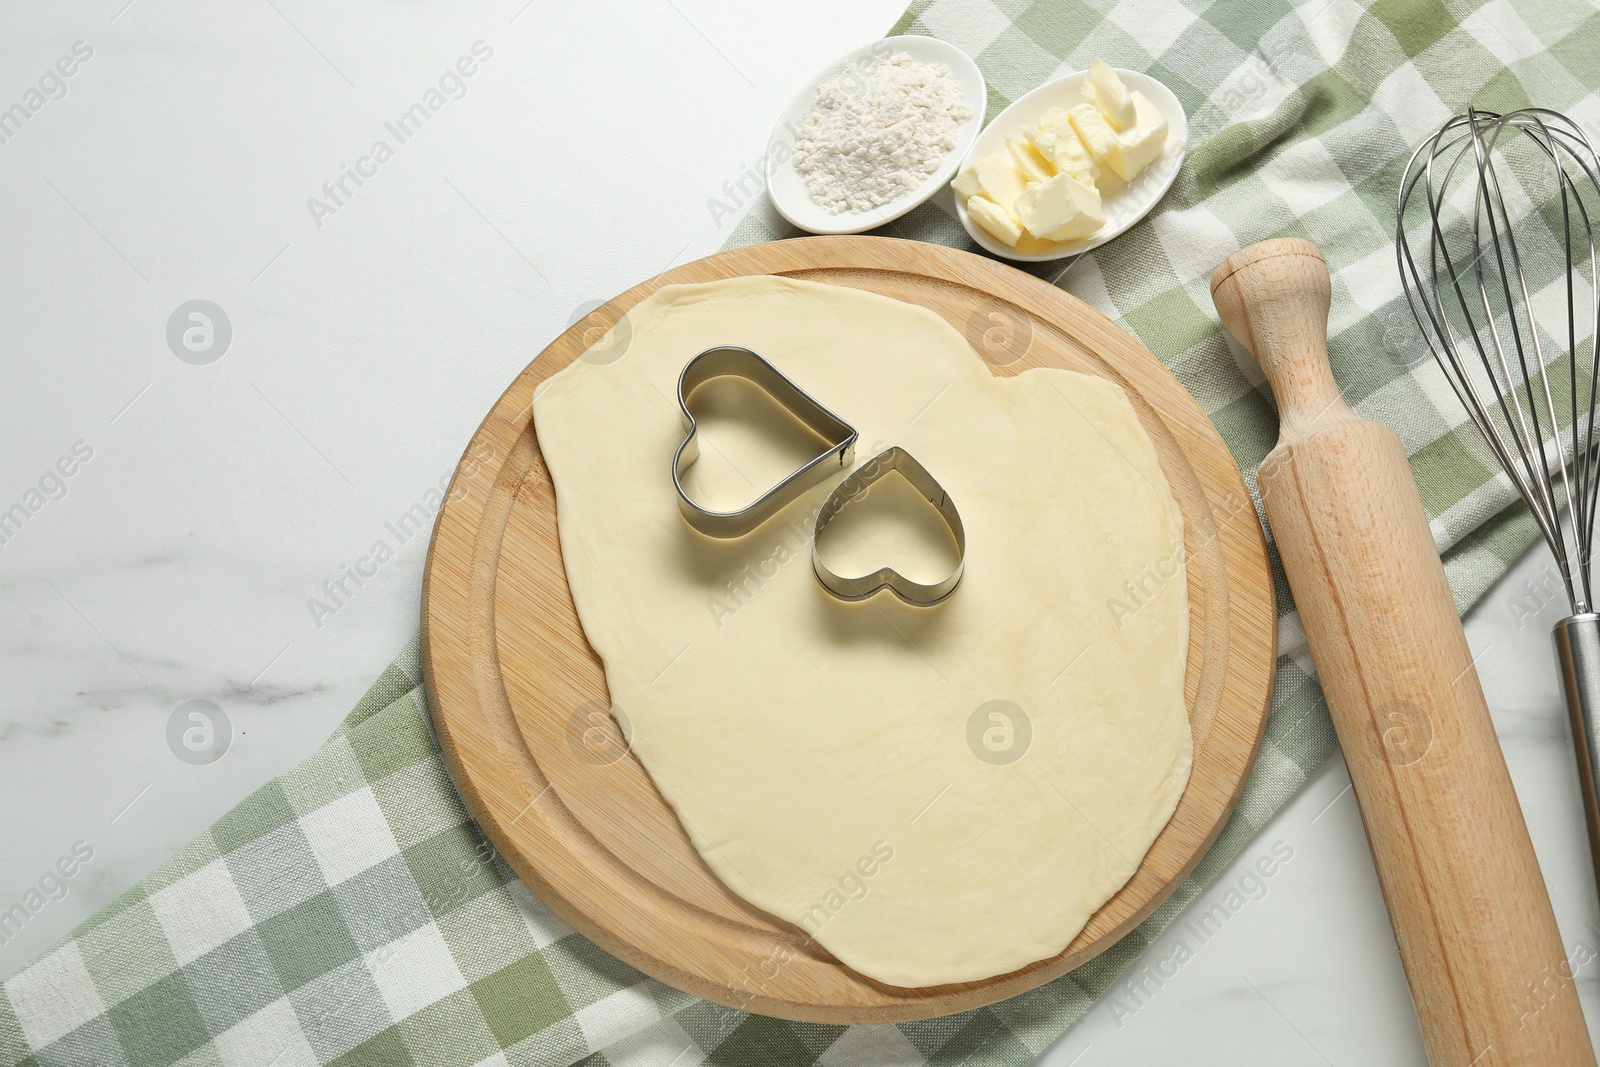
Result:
x=726 y=360
x=915 y=593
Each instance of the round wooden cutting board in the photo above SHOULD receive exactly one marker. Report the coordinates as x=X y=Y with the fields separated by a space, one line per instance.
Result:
x=520 y=704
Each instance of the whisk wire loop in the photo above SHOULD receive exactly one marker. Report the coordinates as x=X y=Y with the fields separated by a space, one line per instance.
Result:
x=1476 y=308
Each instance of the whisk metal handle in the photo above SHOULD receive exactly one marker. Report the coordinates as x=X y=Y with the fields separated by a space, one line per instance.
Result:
x=1578 y=651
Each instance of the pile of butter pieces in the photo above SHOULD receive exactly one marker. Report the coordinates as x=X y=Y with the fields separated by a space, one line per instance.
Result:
x=1048 y=180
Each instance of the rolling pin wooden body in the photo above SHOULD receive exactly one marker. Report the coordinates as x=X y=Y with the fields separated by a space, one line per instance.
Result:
x=1478 y=939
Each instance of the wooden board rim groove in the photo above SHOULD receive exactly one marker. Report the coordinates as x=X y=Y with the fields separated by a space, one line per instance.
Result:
x=708 y=948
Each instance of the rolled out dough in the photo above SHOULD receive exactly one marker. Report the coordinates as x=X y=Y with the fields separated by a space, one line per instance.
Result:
x=936 y=794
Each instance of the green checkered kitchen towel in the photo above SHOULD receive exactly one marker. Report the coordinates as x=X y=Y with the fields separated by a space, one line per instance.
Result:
x=351 y=913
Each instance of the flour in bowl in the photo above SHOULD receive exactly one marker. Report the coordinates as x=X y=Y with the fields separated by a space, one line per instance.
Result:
x=874 y=136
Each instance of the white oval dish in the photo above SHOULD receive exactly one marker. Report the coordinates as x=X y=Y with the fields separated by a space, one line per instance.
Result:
x=787 y=188
x=1124 y=206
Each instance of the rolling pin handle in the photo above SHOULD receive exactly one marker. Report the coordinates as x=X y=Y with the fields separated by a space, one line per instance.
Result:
x=1273 y=298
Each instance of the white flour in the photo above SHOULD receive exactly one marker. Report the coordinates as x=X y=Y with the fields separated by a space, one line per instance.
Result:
x=872 y=137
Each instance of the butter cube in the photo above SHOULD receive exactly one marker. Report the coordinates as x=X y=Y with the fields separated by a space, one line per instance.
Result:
x=1030 y=164
x=1052 y=122
x=996 y=219
x=999 y=180
x=1060 y=209
x=1110 y=94
x=966 y=183
x=1062 y=148
x=1142 y=145
x=1093 y=130
x=1055 y=118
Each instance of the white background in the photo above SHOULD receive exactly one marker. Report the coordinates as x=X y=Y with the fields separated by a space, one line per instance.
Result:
x=219 y=498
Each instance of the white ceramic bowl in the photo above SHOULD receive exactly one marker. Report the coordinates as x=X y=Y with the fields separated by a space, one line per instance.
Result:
x=1123 y=206
x=787 y=188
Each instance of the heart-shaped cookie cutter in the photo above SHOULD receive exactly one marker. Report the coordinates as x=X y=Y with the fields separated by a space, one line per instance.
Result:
x=732 y=360
x=918 y=594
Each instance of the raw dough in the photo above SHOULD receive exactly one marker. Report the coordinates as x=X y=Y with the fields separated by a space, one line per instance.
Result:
x=841 y=765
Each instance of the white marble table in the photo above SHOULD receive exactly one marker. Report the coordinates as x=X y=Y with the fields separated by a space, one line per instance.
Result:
x=182 y=559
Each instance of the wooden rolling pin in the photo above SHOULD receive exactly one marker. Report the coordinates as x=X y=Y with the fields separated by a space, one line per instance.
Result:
x=1490 y=980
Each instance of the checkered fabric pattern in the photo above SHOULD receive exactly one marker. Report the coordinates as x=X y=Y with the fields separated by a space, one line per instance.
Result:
x=351 y=913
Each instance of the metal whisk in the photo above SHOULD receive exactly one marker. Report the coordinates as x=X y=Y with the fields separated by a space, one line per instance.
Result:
x=1510 y=232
